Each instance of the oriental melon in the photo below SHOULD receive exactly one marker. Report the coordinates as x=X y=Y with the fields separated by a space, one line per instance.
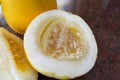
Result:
x=61 y=45
x=13 y=62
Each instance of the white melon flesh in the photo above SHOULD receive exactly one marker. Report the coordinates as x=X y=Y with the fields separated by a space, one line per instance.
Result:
x=61 y=59
x=13 y=62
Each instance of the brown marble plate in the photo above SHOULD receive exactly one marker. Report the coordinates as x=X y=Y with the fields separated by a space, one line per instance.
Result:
x=103 y=16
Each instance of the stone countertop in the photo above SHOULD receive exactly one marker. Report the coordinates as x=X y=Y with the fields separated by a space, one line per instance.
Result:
x=103 y=16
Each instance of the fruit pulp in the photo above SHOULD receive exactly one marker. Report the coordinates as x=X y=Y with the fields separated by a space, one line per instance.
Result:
x=64 y=42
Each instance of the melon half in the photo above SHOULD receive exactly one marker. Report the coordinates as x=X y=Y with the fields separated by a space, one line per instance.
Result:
x=13 y=62
x=61 y=45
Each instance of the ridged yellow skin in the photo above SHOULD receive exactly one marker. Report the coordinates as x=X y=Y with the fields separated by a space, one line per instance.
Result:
x=19 y=13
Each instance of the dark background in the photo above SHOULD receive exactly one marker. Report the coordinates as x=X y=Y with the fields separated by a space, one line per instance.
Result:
x=103 y=16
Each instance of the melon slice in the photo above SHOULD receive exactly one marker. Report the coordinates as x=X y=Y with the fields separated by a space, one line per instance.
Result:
x=60 y=45
x=13 y=62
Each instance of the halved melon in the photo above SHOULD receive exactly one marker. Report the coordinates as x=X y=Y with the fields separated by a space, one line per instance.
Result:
x=13 y=62
x=60 y=45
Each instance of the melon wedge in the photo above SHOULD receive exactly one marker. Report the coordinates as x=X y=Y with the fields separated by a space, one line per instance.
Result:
x=61 y=45
x=13 y=62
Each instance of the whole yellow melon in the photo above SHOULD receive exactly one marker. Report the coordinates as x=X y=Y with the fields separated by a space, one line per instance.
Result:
x=19 y=13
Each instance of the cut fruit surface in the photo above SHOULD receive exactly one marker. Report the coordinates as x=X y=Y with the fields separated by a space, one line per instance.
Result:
x=60 y=45
x=13 y=62
x=62 y=40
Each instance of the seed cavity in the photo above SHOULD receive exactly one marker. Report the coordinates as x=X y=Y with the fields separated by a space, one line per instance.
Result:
x=65 y=41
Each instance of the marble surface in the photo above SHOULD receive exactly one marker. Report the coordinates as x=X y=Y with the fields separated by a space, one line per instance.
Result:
x=103 y=16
